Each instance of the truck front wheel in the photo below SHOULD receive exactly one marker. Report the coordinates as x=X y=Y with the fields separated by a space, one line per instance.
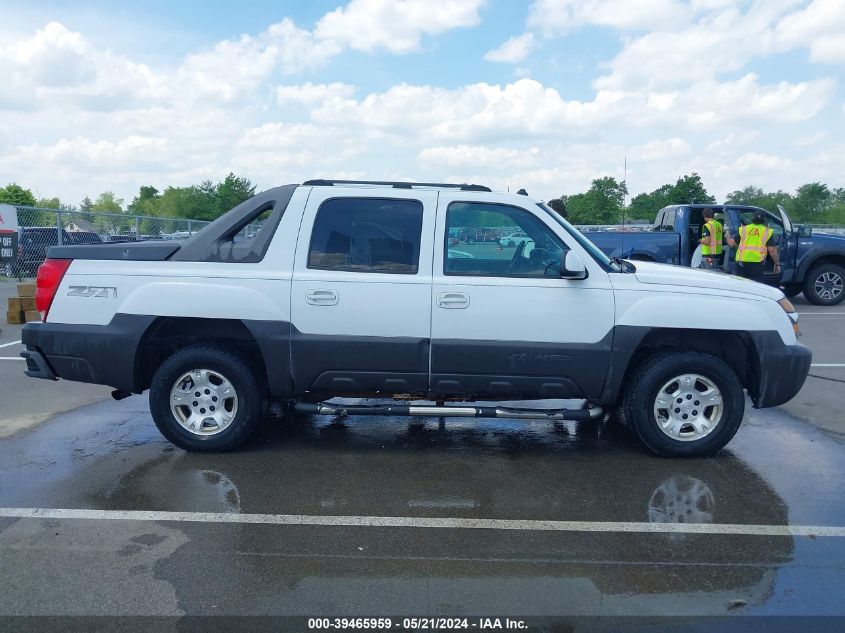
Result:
x=684 y=404
x=825 y=285
x=207 y=398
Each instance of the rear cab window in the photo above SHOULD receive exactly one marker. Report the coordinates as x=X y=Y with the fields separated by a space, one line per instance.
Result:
x=367 y=235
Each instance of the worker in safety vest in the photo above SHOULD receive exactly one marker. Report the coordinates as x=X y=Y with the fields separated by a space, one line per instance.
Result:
x=753 y=245
x=711 y=240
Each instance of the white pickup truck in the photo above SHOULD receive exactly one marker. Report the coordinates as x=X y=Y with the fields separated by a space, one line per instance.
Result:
x=351 y=289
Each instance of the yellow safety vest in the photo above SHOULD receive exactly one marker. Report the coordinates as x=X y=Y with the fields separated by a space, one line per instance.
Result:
x=715 y=245
x=752 y=243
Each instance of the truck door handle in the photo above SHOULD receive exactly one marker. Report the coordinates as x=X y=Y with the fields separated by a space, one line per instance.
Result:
x=321 y=297
x=452 y=300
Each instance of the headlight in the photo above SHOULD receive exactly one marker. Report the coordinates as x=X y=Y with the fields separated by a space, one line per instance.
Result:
x=787 y=306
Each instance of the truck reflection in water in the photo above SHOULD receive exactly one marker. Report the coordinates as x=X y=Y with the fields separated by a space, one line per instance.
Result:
x=487 y=469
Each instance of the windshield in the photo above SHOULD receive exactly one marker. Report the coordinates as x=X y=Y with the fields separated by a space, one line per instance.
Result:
x=591 y=248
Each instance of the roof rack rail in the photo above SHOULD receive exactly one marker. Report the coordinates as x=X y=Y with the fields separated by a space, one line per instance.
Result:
x=396 y=185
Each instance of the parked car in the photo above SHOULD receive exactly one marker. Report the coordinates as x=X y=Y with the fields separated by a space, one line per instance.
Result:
x=810 y=263
x=33 y=242
x=351 y=290
x=514 y=239
x=84 y=237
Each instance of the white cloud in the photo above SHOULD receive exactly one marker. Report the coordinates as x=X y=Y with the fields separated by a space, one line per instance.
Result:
x=233 y=67
x=57 y=64
x=756 y=162
x=558 y=17
x=820 y=27
x=526 y=107
x=473 y=111
x=745 y=99
x=662 y=149
x=718 y=42
x=309 y=94
x=477 y=156
x=83 y=152
x=79 y=118
x=394 y=25
x=513 y=50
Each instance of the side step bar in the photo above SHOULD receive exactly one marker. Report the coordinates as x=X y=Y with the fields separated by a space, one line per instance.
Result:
x=576 y=415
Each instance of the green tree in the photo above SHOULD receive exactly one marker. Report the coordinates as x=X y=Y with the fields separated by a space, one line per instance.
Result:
x=107 y=202
x=601 y=204
x=644 y=206
x=749 y=195
x=690 y=190
x=17 y=195
x=810 y=201
x=231 y=191
x=49 y=203
x=86 y=205
x=195 y=202
x=20 y=197
x=558 y=205
x=146 y=202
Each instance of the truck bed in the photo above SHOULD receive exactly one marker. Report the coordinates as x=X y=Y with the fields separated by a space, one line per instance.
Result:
x=658 y=246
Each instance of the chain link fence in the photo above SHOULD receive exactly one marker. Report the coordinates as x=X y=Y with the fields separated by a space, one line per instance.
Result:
x=39 y=229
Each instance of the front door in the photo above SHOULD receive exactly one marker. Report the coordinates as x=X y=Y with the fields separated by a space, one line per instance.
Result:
x=360 y=302
x=504 y=324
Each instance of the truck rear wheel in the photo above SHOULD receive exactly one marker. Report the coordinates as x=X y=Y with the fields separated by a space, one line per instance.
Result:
x=207 y=398
x=825 y=285
x=684 y=404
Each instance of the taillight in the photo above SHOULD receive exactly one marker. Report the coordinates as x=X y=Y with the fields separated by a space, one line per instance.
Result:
x=50 y=275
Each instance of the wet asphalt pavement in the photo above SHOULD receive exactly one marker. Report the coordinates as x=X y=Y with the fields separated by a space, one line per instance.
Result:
x=779 y=470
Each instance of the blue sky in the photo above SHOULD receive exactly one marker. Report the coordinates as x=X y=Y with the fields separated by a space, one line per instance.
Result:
x=546 y=94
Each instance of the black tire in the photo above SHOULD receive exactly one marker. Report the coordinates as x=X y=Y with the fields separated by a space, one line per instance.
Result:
x=815 y=293
x=244 y=378
x=792 y=290
x=511 y=243
x=656 y=371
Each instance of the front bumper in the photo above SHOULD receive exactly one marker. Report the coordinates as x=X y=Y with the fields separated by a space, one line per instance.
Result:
x=781 y=369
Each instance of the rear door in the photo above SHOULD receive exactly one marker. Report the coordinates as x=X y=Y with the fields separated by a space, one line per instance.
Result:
x=361 y=292
x=504 y=324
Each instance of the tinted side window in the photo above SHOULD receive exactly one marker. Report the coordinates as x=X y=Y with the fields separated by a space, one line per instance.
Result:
x=495 y=240
x=367 y=235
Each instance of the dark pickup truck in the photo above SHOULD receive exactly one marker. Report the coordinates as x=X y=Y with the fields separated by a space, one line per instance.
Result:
x=810 y=263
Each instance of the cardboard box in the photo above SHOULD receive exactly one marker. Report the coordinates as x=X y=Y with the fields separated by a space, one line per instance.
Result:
x=32 y=315
x=14 y=304
x=14 y=317
x=26 y=290
x=28 y=304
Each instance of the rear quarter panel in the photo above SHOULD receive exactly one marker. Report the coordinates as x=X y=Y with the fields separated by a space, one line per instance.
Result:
x=222 y=290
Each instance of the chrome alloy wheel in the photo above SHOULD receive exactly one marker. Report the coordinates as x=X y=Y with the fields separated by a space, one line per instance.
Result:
x=203 y=401
x=828 y=285
x=688 y=407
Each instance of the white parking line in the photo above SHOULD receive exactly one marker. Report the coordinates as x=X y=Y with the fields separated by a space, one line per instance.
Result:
x=10 y=344
x=11 y=358
x=827 y=365
x=449 y=523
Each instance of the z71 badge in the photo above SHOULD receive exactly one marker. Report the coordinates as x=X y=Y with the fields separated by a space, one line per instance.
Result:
x=92 y=291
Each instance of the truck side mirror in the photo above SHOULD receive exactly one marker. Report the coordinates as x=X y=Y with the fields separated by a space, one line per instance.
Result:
x=805 y=231
x=572 y=266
